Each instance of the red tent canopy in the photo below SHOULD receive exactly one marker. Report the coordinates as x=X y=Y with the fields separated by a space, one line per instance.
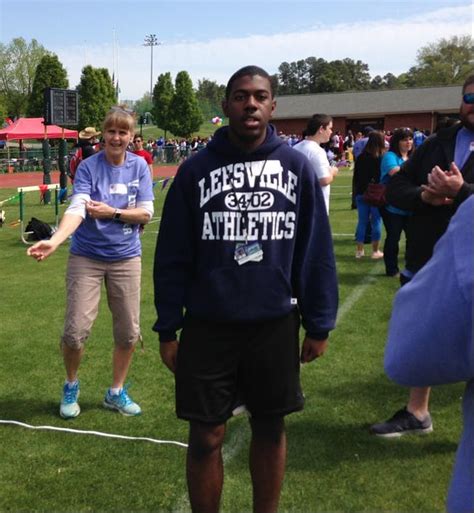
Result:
x=33 y=128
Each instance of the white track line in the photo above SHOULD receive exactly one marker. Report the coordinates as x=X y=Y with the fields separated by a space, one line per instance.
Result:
x=357 y=293
x=94 y=433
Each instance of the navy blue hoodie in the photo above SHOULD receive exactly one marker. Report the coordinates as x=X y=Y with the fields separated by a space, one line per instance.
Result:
x=274 y=192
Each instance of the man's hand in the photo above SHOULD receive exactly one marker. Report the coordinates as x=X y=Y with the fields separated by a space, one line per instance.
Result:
x=312 y=349
x=445 y=183
x=434 y=199
x=169 y=353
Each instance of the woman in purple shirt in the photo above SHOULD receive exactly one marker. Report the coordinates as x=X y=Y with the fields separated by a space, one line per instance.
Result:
x=112 y=197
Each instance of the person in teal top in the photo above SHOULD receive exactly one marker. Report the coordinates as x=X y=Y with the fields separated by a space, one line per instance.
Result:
x=395 y=220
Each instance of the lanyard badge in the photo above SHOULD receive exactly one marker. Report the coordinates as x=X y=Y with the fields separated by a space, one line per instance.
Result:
x=247 y=251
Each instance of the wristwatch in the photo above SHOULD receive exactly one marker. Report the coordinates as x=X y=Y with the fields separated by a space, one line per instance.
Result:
x=117 y=214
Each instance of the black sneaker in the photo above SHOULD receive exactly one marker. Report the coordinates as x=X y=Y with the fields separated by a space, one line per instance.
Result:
x=402 y=423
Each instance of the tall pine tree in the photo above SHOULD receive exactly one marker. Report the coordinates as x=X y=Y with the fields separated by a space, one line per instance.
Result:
x=49 y=73
x=162 y=96
x=185 y=112
x=96 y=96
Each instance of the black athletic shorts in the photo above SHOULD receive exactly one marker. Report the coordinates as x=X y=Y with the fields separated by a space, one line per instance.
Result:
x=221 y=365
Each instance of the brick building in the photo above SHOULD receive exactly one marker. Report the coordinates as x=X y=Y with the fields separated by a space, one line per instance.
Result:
x=419 y=107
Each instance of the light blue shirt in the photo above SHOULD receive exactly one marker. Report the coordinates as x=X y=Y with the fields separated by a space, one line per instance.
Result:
x=359 y=146
x=431 y=336
x=464 y=146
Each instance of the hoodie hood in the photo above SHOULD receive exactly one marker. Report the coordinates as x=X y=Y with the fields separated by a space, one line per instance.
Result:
x=221 y=144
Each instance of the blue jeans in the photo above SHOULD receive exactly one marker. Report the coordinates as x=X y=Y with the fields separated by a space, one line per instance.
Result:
x=394 y=225
x=367 y=214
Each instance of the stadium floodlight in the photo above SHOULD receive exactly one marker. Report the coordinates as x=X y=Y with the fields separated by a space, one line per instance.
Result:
x=151 y=40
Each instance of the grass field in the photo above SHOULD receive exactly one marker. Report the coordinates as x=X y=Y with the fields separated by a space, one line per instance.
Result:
x=334 y=465
x=153 y=132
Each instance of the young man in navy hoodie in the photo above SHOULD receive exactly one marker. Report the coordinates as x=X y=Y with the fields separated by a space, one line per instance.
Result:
x=245 y=250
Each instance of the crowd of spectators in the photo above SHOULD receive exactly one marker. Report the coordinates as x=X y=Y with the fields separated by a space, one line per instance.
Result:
x=341 y=149
x=174 y=150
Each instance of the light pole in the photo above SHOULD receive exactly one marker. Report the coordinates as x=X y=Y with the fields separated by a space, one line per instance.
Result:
x=151 y=40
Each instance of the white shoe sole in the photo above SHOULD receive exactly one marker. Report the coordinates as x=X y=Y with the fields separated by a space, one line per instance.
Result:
x=112 y=407
x=75 y=414
x=66 y=417
x=399 y=434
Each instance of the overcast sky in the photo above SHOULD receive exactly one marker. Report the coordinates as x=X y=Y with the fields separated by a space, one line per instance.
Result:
x=213 y=38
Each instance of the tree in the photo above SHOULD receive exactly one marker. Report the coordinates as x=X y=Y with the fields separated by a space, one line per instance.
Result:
x=316 y=70
x=49 y=73
x=143 y=105
x=210 y=90
x=388 y=81
x=345 y=75
x=162 y=96
x=301 y=74
x=391 y=81
x=18 y=63
x=377 y=83
x=275 y=84
x=405 y=79
x=184 y=108
x=3 y=109
x=143 y=109
x=288 y=83
x=356 y=75
x=96 y=96
x=210 y=95
x=313 y=75
x=446 y=62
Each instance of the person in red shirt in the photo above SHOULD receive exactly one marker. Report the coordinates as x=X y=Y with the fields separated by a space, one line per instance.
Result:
x=138 y=144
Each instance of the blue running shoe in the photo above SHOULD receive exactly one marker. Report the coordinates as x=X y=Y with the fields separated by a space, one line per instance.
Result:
x=122 y=403
x=69 y=407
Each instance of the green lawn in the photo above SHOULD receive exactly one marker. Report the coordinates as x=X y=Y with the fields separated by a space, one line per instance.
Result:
x=153 y=132
x=334 y=465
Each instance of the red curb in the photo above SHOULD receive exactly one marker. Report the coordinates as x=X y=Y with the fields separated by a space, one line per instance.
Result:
x=13 y=180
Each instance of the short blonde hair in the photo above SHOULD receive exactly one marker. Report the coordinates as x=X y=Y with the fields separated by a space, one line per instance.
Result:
x=120 y=116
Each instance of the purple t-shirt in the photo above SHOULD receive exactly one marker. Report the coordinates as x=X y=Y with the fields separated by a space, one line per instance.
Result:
x=120 y=187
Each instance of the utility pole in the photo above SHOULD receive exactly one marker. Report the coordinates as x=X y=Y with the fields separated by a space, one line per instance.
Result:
x=151 y=40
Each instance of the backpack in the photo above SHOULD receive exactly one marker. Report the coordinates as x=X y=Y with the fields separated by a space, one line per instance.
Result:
x=74 y=162
x=39 y=230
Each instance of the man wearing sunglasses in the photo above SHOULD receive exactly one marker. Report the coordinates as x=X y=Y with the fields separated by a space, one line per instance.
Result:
x=141 y=152
x=437 y=178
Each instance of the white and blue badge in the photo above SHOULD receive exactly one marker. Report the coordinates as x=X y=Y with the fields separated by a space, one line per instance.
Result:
x=248 y=252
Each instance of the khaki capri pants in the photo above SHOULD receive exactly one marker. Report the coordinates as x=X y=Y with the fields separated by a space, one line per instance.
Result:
x=84 y=279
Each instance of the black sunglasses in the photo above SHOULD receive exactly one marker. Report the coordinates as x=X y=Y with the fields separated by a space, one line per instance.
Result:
x=468 y=98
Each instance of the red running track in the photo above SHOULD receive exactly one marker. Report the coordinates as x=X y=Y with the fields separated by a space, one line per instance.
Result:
x=13 y=180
